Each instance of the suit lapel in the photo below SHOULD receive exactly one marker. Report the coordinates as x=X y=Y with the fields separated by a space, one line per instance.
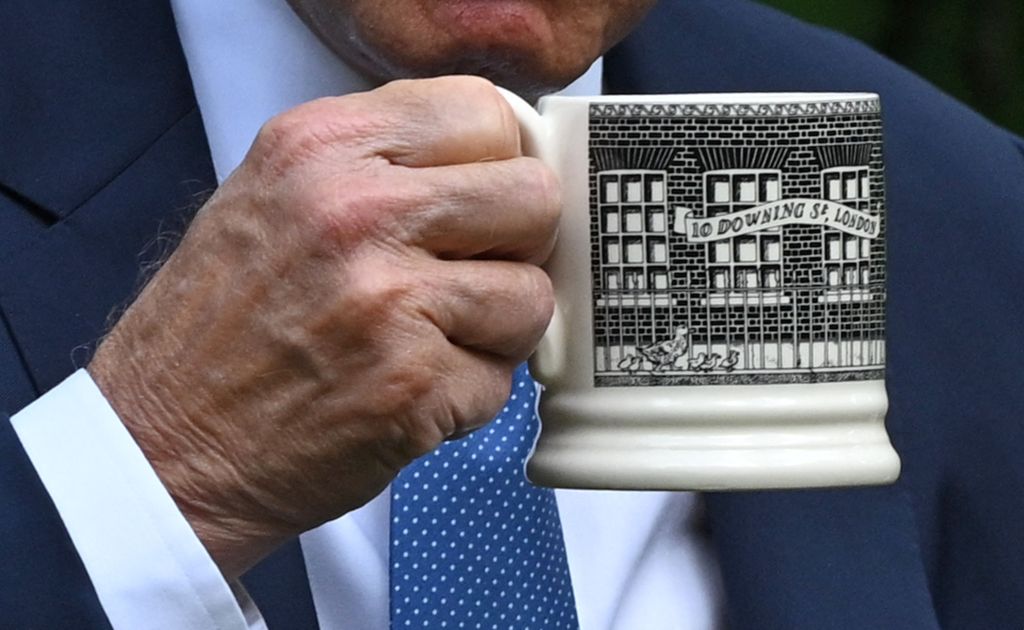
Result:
x=101 y=184
x=93 y=88
x=101 y=146
x=63 y=285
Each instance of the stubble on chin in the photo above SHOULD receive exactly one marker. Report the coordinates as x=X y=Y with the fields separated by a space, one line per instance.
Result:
x=361 y=41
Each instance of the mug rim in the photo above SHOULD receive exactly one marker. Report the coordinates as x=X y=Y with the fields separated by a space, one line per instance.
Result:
x=723 y=98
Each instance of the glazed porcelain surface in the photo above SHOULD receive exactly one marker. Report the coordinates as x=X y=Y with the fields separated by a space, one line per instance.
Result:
x=720 y=288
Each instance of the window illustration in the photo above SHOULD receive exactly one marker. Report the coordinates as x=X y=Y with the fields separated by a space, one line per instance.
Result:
x=744 y=262
x=634 y=236
x=847 y=257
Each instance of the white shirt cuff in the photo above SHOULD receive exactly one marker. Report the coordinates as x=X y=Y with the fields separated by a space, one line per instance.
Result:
x=147 y=566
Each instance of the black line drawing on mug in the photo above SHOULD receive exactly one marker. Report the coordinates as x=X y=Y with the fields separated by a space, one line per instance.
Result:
x=737 y=245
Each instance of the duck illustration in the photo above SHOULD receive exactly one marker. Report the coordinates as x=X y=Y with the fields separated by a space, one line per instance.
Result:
x=663 y=355
x=730 y=362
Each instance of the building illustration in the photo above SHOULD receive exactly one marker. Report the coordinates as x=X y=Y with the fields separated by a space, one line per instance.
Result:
x=736 y=244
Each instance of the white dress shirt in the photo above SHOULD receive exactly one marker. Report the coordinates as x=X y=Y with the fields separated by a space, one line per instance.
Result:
x=638 y=560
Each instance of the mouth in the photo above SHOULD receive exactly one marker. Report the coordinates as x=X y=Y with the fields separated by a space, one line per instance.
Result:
x=514 y=24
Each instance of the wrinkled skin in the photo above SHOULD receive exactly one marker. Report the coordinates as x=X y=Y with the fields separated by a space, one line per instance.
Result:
x=362 y=287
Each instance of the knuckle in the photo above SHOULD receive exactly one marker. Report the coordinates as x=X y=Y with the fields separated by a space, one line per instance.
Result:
x=491 y=386
x=303 y=133
x=360 y=210
x=277 y=128
x=549 y=191
x=545 y=208
x=378 y=291
x=480 y=95
x=494 y=391
x=473 y=82
x=419 y=442
x=451 y=399
x=402 y=88
x=461 y=84
x=536 y=304
x=542 y=295
x=411 y=398
x=507 y=123
x=398 y=99
x=465 y=86
x=281 y=137
x=509 y=127
x=341 y=222
x=407 y=389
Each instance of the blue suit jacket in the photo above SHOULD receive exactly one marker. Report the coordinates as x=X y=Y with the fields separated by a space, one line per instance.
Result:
x=102 y=147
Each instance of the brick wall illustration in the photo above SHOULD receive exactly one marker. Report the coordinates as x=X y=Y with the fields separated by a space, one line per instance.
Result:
x=795 y=300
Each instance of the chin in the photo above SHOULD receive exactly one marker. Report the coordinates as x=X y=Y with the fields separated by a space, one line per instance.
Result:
x=509 y=42
x=522 y=73
x=532 y=47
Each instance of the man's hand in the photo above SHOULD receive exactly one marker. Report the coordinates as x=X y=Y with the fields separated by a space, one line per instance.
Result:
x=358 y=291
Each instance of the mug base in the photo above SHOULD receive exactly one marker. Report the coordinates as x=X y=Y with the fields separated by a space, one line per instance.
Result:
x=731 y=438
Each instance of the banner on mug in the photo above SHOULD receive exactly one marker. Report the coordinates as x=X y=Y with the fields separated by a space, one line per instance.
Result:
x=774 y=214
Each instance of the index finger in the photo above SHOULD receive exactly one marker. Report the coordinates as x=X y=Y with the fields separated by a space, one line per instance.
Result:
x=443 y=121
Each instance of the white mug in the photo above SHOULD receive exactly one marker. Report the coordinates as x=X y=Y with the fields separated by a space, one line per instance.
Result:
x=720 y=292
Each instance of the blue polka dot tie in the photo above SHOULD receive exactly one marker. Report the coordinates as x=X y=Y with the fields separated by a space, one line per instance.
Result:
x=473 y=544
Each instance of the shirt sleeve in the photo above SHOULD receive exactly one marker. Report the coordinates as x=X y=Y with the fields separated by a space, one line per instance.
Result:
x=147 y=566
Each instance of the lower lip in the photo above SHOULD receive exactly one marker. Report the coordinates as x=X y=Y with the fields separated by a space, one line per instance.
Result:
x=495 y=20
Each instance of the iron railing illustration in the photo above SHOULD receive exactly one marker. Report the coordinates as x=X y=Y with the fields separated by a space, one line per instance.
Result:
x=737 y=331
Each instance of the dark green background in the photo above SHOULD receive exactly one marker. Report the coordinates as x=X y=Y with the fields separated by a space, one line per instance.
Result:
x=972 y=49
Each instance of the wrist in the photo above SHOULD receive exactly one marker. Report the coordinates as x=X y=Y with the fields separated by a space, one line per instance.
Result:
x=187 y=460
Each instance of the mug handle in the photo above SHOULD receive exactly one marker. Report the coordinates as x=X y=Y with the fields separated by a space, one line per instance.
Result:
x=548 y=361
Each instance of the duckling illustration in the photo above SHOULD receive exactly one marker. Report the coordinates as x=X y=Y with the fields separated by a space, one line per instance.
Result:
x=730 y=362
x=695 y=363
x=710 y=363
x=630 y=363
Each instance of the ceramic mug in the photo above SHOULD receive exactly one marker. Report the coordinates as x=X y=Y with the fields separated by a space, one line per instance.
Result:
x=720 y=287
